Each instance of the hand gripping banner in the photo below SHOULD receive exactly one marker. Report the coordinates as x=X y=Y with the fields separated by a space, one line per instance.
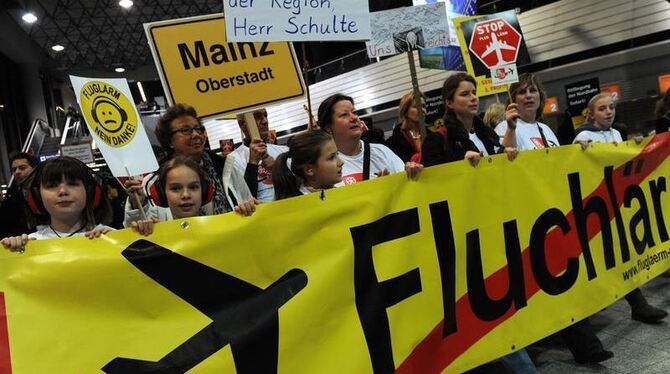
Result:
x=437 y=275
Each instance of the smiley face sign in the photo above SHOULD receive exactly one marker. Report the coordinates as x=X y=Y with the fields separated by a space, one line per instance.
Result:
x=106 y=110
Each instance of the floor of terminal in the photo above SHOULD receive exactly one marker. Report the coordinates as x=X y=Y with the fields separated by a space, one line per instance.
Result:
x=637 y=347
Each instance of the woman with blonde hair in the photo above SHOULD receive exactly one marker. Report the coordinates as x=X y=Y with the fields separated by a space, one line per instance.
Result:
x=406 y=138
x=494 y=115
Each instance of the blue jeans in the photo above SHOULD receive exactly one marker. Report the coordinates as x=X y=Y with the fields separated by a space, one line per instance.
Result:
x=518 y=362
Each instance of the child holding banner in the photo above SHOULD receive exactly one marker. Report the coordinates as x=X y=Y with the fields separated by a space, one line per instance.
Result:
x=65 y=199
x=336 y=116
x=598 y=129
x=180 y=185
x=181 y=134
x=310 y=165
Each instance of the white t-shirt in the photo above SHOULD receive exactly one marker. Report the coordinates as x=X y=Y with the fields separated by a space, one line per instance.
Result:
x=381 y=157
x=528 y=135
x=46 y=232
x=266 y=191
x=606 y=136
x=478 y=143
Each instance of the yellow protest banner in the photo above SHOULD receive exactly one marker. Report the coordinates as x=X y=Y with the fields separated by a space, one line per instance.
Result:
x=198 y=66
x=485 y=85
x=436 y=275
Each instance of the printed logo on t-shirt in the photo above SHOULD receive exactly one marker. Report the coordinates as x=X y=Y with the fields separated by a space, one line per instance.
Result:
x=537 y=142
x=264 y=175
x=352 y=178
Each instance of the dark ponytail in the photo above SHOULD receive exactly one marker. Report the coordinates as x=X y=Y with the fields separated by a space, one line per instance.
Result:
x=304 y=149
x=284 y=180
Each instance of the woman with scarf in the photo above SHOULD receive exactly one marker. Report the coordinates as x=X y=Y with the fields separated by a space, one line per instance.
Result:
x=464 y=135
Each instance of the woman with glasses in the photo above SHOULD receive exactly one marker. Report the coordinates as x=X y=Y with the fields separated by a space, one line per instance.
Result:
x=406 y=138
x=362 y=161
x=180 y=133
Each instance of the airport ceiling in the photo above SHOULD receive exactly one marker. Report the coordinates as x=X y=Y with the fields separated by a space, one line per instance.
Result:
x=100 y=35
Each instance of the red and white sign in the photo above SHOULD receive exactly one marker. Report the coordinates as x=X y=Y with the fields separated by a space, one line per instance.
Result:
x=495 y=42
x=504 y=74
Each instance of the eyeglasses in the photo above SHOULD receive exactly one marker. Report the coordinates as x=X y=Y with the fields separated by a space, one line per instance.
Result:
x=187 y=131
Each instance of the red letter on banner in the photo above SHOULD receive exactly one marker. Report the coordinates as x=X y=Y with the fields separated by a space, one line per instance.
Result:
x=5 y=363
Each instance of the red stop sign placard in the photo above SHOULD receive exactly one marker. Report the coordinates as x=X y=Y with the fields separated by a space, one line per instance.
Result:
x=495 y=42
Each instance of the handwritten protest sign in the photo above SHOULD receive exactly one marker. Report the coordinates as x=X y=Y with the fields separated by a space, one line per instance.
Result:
x=296 y=20
x=404 y=29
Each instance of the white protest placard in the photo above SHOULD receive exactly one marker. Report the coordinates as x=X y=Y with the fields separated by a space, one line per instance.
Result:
x=296 y=20
x=403 y=29
x=81 y=152
x=504 y=74
x=450 y=5
x=115 y=124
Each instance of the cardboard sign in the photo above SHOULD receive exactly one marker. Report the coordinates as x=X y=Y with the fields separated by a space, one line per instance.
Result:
x=404 y=29
x=504 y=74
x=485 y=85
x=198 y=66
x=449 y=57
x=115 y=124
x=494 y=39
x=289 y=20
x=579 y=93
x=81 y=152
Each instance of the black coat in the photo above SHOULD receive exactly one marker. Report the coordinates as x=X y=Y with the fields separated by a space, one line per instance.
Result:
x=13 y=213
x=436 y=151
x=400 y=145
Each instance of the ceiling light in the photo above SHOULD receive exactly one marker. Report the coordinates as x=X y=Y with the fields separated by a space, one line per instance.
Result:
x=144 y=97
x=57 y=47
x=119 y=70
x=126 y=3
x=29 y=17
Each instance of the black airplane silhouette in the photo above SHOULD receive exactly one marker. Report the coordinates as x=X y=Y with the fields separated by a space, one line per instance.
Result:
x=243 y=315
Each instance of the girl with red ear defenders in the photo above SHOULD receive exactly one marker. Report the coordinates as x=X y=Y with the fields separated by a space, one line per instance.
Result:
x=65 y=199
x=182 y=186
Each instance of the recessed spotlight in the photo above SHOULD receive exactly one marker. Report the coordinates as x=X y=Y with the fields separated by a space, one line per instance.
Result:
x=57 y=47
x=29 y=17
x=119 y=70
x=126 y=3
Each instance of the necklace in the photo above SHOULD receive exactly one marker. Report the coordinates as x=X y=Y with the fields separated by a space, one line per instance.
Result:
x=72 y=233
x=414 y=134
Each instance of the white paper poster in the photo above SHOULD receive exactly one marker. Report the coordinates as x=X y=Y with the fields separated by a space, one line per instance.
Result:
x=403 y=29
x=114 y=123
x=296 y=20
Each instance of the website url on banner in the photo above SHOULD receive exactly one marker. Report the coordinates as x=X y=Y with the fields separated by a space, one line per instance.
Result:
x=646 y=263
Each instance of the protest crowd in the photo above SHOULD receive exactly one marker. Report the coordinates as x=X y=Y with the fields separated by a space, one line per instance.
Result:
x=62 y=197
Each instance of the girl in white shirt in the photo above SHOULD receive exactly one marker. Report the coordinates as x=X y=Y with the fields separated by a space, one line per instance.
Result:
x=310 y=165
x=181 y=185
x=65 y=199
x=598 y=126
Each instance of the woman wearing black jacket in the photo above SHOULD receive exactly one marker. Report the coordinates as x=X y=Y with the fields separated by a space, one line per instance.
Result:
x=465 y=136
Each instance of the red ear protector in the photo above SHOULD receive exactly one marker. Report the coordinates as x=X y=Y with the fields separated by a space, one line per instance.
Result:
x=93 y=183
x=156 y=191
x=100 y=100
